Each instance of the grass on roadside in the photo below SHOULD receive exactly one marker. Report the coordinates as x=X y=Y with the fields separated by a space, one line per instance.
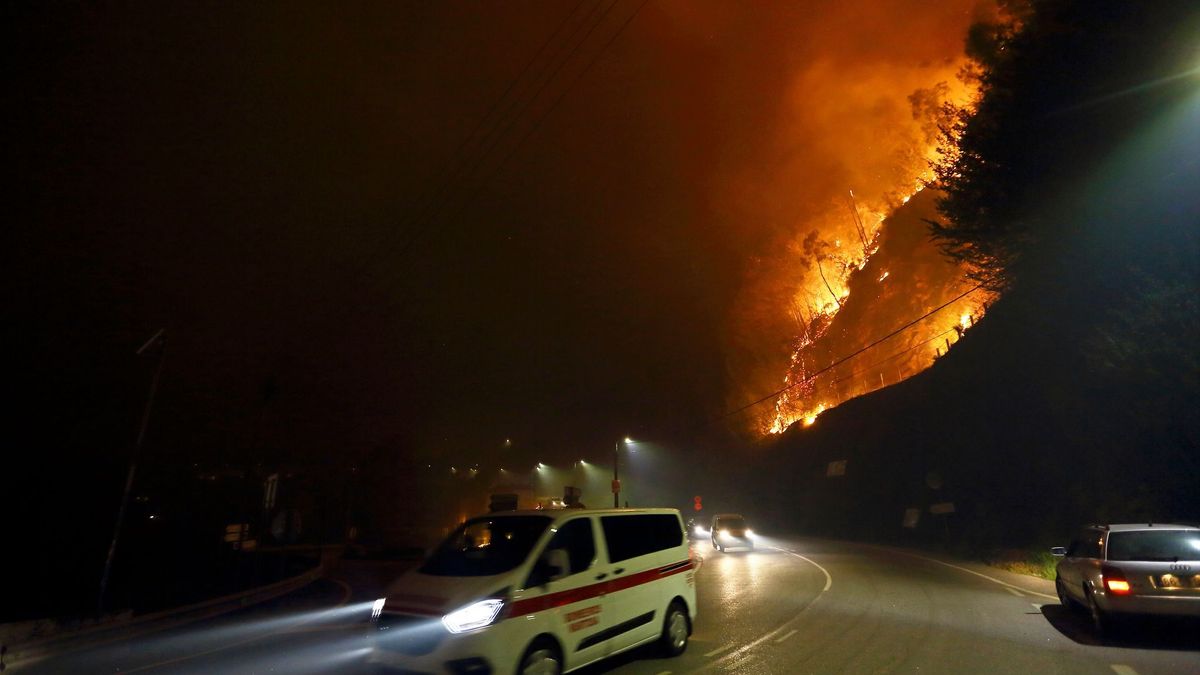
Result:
x=1036 y=563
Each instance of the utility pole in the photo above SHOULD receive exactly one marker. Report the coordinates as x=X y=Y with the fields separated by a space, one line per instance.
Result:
x=616 y=485
x=160 y=339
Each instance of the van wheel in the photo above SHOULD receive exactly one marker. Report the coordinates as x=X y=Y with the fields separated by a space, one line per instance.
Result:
x=674 y=640
x=542 y=658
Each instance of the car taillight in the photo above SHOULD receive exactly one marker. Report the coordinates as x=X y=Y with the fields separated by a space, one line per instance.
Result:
x=1114 y=580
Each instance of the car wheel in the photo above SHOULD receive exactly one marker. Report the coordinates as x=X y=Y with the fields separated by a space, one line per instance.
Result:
x=1064 y=599
x=542 y=658
x=674 y=640
x=1102 y=623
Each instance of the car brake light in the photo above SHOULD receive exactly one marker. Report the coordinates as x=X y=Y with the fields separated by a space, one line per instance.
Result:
x=1118 y=586
x=1114 y=581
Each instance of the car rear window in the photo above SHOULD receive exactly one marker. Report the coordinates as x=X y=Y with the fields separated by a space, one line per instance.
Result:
x=631 y=536
x=1154 y=546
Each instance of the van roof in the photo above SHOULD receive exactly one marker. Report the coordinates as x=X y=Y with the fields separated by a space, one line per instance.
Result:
x=558 y=513
x=1131 y=527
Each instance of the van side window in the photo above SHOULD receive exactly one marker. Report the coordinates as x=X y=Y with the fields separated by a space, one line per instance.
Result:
x=631 y=536
x=575 y=537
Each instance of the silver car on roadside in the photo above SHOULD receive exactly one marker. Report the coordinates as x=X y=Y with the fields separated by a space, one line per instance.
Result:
x=1131 y=569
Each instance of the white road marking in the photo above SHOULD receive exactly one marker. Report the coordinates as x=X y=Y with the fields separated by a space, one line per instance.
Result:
x=1122 y=669
x=828 y=577
x=718 y=650
x=771 y=635
x=790 y=634
x=1037 y=605
x=1014 y=591
x=982 y=576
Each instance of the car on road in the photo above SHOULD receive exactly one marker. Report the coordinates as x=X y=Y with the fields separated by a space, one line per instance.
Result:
x=696 y=529
x=540 y=592
x=1125 y=570
x=730 y=530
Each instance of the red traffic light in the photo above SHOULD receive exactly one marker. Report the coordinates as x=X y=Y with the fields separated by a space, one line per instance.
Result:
x=696 y=503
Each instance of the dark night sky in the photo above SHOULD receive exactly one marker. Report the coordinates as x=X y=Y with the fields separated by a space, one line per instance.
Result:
x=253 y=179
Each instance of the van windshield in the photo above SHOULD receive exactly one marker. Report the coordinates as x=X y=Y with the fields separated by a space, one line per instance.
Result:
x=486 y=546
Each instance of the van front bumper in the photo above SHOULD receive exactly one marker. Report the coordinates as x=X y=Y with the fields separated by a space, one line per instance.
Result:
x=417 y=644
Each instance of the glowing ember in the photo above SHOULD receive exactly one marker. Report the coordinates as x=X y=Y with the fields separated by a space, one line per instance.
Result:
x=810 y=419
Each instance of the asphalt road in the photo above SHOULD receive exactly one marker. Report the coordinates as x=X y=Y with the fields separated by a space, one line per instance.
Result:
x=791 y=606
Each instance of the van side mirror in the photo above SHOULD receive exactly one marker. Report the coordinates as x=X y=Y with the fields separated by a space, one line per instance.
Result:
x=1058 y=551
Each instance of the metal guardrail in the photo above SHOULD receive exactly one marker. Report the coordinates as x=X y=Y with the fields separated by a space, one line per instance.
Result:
x=28 y=652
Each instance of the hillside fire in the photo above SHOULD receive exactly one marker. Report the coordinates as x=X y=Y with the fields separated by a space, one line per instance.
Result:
x=891 y=308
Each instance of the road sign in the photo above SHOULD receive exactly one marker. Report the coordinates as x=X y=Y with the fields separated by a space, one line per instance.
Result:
x=616 y=486
x=236 y=532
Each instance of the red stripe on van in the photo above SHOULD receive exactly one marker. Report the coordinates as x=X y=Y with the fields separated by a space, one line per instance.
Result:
x=408 y=609
x=563 y=598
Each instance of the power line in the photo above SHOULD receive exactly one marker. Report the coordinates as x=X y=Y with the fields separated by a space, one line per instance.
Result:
x=537 y=125
x=461 y=165
x=846 y=358
x=472 y=155
x=487 y=150
x=902 y=352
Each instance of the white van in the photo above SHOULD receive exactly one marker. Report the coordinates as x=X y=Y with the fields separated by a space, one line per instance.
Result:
x=541 y=592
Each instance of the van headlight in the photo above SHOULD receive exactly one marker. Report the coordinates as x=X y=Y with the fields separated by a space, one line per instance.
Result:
x=377 y=608
x=473 y=616
x=749 y=534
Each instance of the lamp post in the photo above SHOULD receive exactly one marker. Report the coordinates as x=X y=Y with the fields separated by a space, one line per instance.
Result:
x=616 y=484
